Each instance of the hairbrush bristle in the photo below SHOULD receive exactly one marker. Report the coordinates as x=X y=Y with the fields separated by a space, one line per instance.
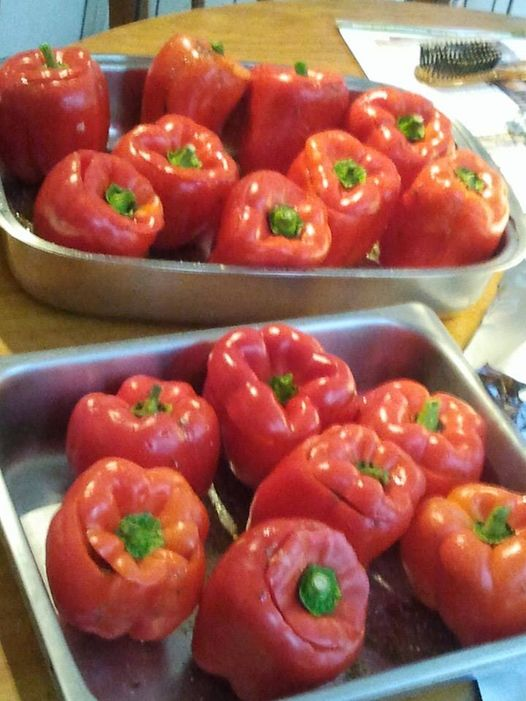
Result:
x=459 y=58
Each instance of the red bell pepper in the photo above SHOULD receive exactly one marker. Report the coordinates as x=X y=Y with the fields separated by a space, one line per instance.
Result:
x=98 y=202
x=193 y=77
x=442 y=433
x=350 y=480
x=403 y=125
x=125 y=551
x=272 y=388
x=286 y=105
x=283 y=611
x=270 y=221
x=455 y=213
x=190 y=170
x=51 y=103
x=359 y=186
x=465 y=555
x=152 y=422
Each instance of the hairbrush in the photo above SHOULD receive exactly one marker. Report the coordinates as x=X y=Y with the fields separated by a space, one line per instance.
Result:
x=462 y=62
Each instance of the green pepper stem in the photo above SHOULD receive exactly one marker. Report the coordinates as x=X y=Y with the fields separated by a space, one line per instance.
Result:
x=495 y=528
x=284 y=220
x=152 y=404
x=141 y=534
x=218 y=47
x=471 y=180
x=301 y=68
x=319 y=590
x=429 y=415
x=412 y=126
x=371 y=470
x=283 y=387
x=48 y=55
x=121 y=200
x=184 y=157
x=349 y=173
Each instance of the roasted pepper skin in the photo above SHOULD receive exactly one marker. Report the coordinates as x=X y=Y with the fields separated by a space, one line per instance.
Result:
x=192 y=197
x=97 y=585
x=358 y=213
x=251 y=627
x=478 y=589
x=187 y=76
x=245 y=236
x=257 y=428
x=182 y=432
x=372 y=117
x=283 y=109
x=441 y=221
x=71 y=209
x=322 y=479
x=451 y=454
x=46 y=113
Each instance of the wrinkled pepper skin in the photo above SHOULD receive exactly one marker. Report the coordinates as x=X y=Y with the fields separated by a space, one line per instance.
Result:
x=46 y=113
x=283 y=109
x=359 y=201
x=454 y=213
x=257 y=427
x=331 y=478
x=450 y=453
x=192 y=195
x=252 y=627
x=99 y=586
x=173 y=428
x=245 y=236
x=373 y=118
x=71 y=209
x=477 y=587
x=189 y=76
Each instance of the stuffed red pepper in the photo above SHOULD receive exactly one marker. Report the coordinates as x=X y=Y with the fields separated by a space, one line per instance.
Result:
x=405 y=126
x=442 y=433
x=465 y=555
x=349 y=479
x=270 y=221
x=52 y=102
x=100 y=203
x=125 y=551
x=454 y=213
x=283 y=611
x=285 y=105
x=359 y=186
x=272 y=388
x=150 y=421
x=190 y=170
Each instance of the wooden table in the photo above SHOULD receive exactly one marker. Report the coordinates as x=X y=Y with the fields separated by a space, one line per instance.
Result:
x=265 y=31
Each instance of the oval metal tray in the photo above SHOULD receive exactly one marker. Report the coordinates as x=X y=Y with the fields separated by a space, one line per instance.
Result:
x=191 y=292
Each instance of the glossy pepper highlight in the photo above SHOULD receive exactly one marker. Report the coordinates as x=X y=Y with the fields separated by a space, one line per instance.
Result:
x=125 y=551
x=283 y=611
x=100 y=203
x=272 y=388
x=52 y=102
x=443 y=434
x=465 y=555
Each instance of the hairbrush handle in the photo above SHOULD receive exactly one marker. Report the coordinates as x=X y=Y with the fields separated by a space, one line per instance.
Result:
x=513 y=71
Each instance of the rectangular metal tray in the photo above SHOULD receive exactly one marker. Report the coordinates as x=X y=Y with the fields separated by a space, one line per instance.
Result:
x=193 y=292
x=406 y=648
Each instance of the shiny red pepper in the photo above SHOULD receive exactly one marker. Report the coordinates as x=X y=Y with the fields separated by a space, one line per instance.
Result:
x=272 y=388
x=443 y=434
x=286 y=105
x=98 y=202
x=283 y=611
x=125 y=551
x=359 y=186
x=51 y=103
x=193 y=77
x=153 y=422
x=454 y=213
x=403 y=125
x=349 y=479
x=190 y=170
x=270 y=221
x=465 y=555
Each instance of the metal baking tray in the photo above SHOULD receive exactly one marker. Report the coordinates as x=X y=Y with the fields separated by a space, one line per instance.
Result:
x=407 y=648
x=193 y=292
